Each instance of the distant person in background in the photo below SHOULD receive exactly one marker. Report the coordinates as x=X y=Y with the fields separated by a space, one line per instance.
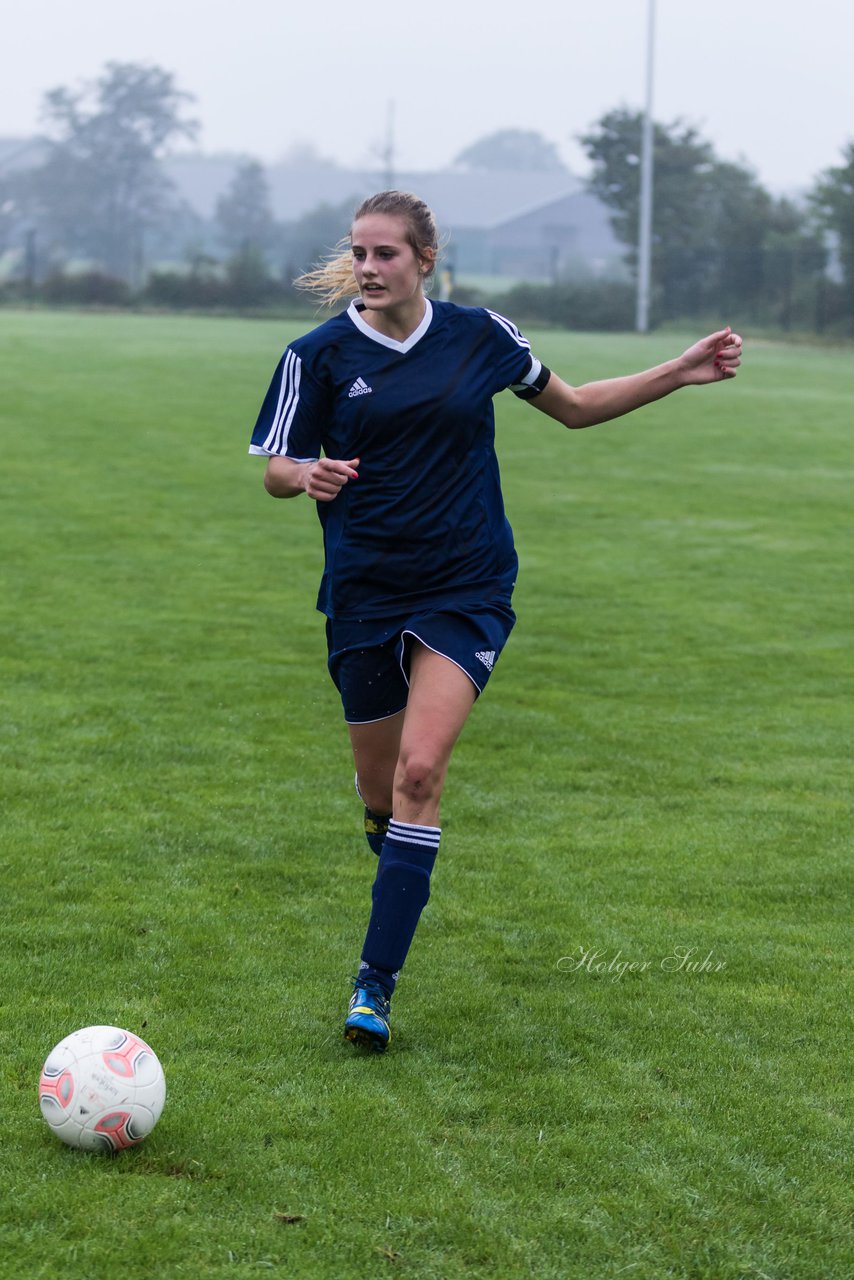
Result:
x=383 y=416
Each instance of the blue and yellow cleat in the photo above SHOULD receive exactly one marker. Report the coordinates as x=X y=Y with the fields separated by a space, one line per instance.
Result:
x=367 y=1017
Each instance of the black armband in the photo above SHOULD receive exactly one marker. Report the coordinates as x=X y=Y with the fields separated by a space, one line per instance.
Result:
x=536 y=381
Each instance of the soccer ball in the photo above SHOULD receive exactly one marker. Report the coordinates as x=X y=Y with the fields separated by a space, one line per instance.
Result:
x=102 y=1089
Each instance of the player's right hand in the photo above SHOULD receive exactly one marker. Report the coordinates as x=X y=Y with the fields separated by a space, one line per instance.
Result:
x=324 y=479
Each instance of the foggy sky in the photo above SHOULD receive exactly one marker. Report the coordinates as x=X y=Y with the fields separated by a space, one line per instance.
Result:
x=766 y=81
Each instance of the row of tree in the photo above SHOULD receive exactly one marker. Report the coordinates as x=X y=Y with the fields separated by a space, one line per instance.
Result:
x=721 y=243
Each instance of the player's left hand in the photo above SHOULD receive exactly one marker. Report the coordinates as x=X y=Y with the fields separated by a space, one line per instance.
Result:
x=712 y=359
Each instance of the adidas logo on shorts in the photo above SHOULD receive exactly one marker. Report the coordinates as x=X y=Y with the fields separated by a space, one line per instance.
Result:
x=359 y=388
x=487 y=658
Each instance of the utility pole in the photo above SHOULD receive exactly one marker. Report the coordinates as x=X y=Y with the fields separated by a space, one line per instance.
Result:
x=30 y=262
x=388 y=149
x=646 y=175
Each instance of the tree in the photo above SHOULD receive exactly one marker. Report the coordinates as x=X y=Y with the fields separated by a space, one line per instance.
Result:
x=101 y=186
x=314 y=235
x=522 y=150
x=244 y=213
x=794 y=283
x=683 y=165
x=833 y=200
x=712 y=220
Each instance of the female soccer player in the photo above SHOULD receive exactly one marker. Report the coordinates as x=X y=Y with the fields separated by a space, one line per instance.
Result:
x=383 y=415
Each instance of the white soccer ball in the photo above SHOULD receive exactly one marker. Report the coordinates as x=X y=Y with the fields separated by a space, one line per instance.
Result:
x=102 y=1089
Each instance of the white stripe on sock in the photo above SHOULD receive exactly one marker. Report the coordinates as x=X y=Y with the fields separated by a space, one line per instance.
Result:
x=413 y=833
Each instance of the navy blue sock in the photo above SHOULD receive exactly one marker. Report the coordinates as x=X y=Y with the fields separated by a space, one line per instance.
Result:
x=400 y=893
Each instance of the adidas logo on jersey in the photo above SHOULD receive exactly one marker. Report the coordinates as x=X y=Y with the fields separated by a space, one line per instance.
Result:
x=360 y=388
x=487 y=658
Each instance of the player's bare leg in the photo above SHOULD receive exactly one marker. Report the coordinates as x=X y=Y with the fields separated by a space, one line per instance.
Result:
x=441 y=696
x=376 y=747
x=440 y=699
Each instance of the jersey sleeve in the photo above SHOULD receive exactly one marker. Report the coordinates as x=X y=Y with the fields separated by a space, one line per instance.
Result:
x=294 y=410
x=517 y=368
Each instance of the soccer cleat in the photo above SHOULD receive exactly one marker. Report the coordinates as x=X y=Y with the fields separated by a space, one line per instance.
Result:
x=367 y=1016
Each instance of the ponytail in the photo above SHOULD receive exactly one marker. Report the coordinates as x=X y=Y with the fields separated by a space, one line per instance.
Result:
x=332 y=279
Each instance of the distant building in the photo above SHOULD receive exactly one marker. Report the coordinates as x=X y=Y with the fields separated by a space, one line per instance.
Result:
x=542 y=226
x=532 y=226
x=528 y=231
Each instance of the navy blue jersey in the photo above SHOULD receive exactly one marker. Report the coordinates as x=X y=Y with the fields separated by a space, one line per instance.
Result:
x=424 y=522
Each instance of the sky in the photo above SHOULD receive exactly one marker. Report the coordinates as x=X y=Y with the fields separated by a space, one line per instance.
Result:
x=767 y=82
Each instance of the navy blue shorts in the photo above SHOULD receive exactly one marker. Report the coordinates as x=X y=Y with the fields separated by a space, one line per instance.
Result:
x=369 y=659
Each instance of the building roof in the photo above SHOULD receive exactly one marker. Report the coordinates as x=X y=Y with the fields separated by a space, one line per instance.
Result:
x=460 y=198
x=21 y=153
x=487 y=198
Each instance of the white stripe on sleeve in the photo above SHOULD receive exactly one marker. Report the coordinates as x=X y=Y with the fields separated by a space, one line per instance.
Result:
x=511 y=329
x=277 y=439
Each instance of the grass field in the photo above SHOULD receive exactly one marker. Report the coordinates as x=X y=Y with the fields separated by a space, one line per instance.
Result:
x=659 y=774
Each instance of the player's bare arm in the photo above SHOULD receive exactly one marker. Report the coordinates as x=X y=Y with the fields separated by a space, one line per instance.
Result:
x=713 y=359
x=322 y=478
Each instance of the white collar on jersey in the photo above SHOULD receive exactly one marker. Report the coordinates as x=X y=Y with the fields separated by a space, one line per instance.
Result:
x=362 y=325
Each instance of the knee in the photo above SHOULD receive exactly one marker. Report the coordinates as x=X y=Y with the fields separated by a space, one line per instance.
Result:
x=418 y=778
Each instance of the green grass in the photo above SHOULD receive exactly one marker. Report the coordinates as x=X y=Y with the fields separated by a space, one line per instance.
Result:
x=662 y=762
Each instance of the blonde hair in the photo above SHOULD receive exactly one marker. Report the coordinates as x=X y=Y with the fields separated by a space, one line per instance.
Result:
x=332 y=279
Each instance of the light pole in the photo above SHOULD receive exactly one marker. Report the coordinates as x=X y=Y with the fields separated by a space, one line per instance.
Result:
x=645 y=219
x=388 y=149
